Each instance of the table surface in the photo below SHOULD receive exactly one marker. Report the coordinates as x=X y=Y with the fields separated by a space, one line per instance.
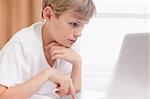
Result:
x=88 y=95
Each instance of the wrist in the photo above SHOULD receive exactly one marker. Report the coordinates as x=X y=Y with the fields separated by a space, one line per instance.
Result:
x=50 y=73
x=77 y=60
x=77 y=63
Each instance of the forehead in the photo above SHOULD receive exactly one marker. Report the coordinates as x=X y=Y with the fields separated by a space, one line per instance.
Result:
x=72 y=15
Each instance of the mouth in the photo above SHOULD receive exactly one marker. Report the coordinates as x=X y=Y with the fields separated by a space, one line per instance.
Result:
x=72 y=41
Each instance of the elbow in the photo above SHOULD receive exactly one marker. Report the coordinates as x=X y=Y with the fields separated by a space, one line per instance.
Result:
x=77 y=89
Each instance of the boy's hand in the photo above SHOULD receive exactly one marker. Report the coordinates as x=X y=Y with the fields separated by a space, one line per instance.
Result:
x=61 y=92
x=71 y=92
x=61 y=52
x=63 y=82
x=58 y=51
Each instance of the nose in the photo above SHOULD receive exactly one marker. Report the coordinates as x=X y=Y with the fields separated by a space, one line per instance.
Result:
x=78 y=33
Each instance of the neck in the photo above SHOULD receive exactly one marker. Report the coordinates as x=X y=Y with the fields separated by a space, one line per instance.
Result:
x=47 y=39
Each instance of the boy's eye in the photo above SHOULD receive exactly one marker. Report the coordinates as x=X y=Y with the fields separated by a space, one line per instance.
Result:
x=73 y=24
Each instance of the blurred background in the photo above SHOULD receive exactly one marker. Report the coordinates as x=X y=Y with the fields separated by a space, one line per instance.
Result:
x=16 y=14
x=102 y=37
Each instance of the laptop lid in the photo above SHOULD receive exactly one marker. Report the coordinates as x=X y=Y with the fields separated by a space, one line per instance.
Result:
x=130 y=78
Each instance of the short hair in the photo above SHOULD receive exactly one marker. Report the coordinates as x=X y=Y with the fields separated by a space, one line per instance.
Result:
x=84 y=9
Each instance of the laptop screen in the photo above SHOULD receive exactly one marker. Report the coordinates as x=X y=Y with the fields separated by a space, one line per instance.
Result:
x=130 y=78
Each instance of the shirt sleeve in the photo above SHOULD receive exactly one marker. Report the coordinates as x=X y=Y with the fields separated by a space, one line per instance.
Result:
x=11 y=58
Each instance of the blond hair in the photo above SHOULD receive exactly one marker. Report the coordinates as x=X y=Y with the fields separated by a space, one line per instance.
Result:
x=84 y=9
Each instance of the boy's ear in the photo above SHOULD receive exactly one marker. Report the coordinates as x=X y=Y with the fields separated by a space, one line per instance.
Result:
x=48 y=13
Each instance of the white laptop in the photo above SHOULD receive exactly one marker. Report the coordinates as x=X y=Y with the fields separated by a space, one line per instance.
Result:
x=130 y=78
x=131 y=74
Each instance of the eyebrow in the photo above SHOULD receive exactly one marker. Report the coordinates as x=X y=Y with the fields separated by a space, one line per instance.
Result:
x=77 y=18
x=81 y=22
x=78 y=22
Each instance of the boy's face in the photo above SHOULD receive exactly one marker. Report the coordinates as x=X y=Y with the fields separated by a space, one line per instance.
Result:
x=66 y=28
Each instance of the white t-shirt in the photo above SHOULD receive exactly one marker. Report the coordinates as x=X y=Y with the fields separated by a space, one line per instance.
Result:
x=23 y=57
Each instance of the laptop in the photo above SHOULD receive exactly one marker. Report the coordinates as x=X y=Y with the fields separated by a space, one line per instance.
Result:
x=130 y=77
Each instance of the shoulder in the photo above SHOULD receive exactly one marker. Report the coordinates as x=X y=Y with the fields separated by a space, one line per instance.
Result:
x=12 y=51
x=29 y=38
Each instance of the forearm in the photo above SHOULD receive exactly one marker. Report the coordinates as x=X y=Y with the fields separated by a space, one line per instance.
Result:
x=26 y=89
x=76 y=76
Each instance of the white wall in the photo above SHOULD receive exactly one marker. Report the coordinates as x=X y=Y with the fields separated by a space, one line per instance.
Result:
x=102 y=38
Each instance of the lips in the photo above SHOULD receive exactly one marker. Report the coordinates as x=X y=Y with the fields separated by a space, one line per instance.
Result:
x=72 y=41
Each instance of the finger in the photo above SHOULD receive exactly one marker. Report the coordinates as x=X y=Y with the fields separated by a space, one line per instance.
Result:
x=57 y=47
x=49 y=45
x=60 y=93
x=54 y=43
x=73 y=96
x=57 y=56
x=59 y=89
x=72 y=91
x=54 y=52
x=65 y=86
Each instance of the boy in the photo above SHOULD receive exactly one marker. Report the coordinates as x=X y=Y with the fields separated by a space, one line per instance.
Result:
x=40 y=61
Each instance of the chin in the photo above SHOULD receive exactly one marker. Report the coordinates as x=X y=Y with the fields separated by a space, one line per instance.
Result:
x=68 y=45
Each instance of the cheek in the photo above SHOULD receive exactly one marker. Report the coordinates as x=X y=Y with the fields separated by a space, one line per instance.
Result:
x=64 y=31
x=60 y=34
